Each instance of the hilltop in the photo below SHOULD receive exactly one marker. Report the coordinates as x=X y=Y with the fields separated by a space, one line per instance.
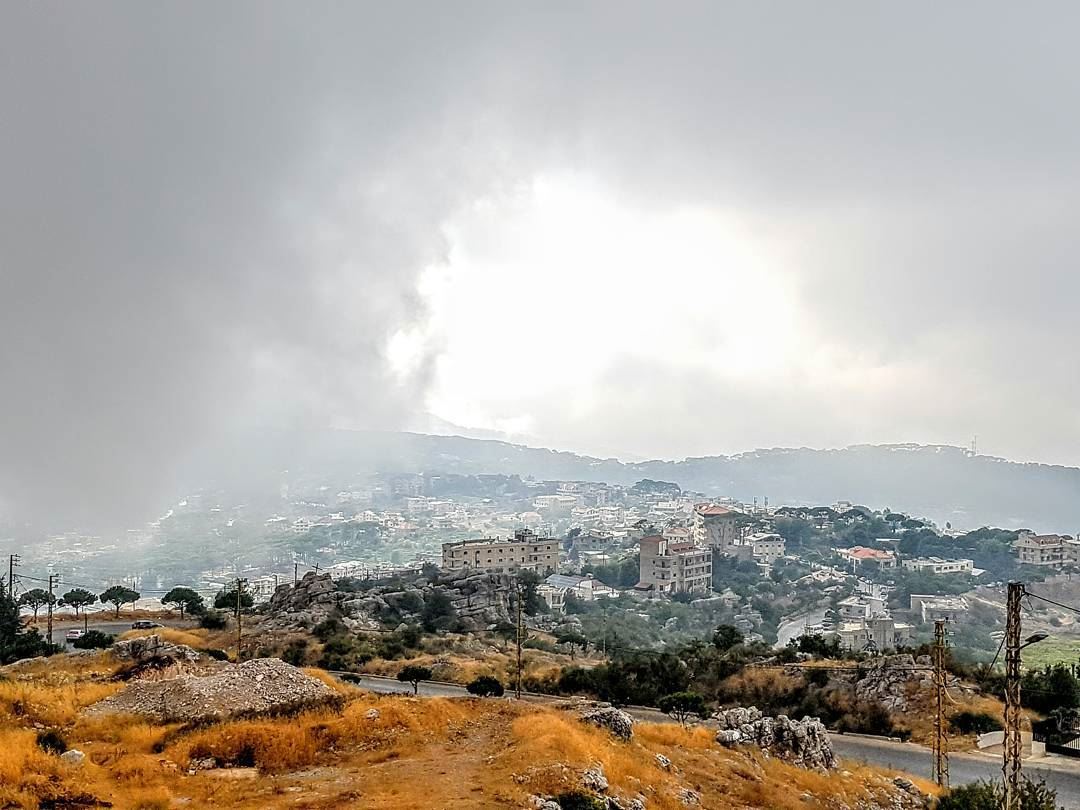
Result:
x=944 y=483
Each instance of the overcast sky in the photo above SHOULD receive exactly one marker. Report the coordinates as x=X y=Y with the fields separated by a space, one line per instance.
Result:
x=658 y=229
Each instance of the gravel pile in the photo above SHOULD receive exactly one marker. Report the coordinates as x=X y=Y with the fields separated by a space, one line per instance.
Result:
x=262 y=685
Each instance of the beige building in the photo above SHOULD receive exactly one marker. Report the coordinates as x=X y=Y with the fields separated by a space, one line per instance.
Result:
x=493 y=556
x=716 y=526
x=1046 y=549
x=768 y=547
x=936 y=565
x=671 y=567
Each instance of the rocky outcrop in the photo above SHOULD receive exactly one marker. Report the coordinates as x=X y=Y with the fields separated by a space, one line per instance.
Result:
x=618 y=722
x=894 y=681
x=801 y=742
x=253 y=687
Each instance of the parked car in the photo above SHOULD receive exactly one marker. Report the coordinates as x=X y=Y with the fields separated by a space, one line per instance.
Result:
x=74 y=634
x=144 y=624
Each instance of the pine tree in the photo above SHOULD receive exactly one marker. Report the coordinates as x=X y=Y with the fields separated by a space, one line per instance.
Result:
x=17 y=641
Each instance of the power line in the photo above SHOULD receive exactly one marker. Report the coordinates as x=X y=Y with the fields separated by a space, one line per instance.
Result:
x=1052 y=602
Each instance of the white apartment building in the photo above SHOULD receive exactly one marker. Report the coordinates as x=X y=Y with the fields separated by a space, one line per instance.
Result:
x=526 y=551
x=937 y=565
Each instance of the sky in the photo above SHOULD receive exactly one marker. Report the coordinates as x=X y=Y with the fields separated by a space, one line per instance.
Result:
x=631 y=229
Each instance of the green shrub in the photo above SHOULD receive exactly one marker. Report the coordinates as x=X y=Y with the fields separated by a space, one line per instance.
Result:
x=991 y=796
x=974 y=723
x=485 y=686
x=93 y=640
x=578 y=800
x=213 y=620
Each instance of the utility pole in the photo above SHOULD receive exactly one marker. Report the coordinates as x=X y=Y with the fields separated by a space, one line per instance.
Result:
x=295 y=572
x=1010 y=767
x=13 y=562
x=941 y=743
x=517 y=681
x=53 y=579
x=239 y=622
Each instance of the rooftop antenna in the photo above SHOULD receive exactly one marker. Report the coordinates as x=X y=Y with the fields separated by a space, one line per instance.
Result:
x=975 y=445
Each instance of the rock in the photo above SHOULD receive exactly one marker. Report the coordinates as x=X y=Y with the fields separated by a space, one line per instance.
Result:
x=892 y=680
x=73 y=757
x=261 y=685
x=593 y=779
x=153 y=648
x=614 y=720
x=691 y=798
x=372 y=714
x=663 y=762
x=905 y=784
x=803 y=742
x=542 y=803
x=636 y=804
x=196 y=765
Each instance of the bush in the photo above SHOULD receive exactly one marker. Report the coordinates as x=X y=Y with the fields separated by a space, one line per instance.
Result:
x=577 y=800
x=217 y=655
x=213 y=620
x=683 y=705
x=295 y=652
x=485 y=686
x=991 y=796
x=974 y=723
x=51 y=742
x=93 y=640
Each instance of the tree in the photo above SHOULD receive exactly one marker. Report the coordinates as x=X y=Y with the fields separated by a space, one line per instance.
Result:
x=727 y=636
x=683 y=705
x=187 y=600
x=485 y=686
x=573 y=639
x=226 y=600
x=412 y=673
x=78 y=598
x=438 y=611
x=36 y=599
x=118 y=595
x=17 y=641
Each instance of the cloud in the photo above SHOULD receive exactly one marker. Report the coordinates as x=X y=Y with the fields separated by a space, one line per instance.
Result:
x=212 y=216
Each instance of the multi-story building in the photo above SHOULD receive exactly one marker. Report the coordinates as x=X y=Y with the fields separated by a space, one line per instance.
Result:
x=937 y=565
x=1046 y=549
x=877 y=634
x=767 y=547
x=526 y=551
x=716 y=526
x=938 y=606
x=670 y=567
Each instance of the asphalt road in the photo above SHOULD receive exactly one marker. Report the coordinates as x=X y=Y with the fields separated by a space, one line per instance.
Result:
x=1060 y=774
x=111 y=626
x=793 y=627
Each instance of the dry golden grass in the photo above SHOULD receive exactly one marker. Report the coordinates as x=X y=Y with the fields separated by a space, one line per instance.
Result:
x=196 y=637
x=414 y=754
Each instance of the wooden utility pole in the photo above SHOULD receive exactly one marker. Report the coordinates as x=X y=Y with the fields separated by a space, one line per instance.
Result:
x=1012 y=750
x=53 y=579
x=239 y=622
x=13 y=562
x=517 y=680
x=941 y=743
x=295 y=572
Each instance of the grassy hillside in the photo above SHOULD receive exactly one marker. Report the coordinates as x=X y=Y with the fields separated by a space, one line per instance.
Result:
x=407 y=753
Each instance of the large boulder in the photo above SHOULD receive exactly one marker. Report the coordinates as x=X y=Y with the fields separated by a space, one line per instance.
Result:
x=893 y=680
x=261 y=685
x=614 y=720
x=153 y=647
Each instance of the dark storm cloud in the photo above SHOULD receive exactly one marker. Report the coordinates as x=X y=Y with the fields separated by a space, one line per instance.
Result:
x=216 y=213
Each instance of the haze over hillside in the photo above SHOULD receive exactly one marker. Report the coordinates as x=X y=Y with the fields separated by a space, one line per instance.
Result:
x=940 y=482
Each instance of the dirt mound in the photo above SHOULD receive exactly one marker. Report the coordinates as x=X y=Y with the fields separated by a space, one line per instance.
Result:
x=262 y=685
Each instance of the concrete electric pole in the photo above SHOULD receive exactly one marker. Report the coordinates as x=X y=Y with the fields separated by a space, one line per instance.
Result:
x=941 y=743
x=1013 y=746
x=53 y=579
x=517 y=680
